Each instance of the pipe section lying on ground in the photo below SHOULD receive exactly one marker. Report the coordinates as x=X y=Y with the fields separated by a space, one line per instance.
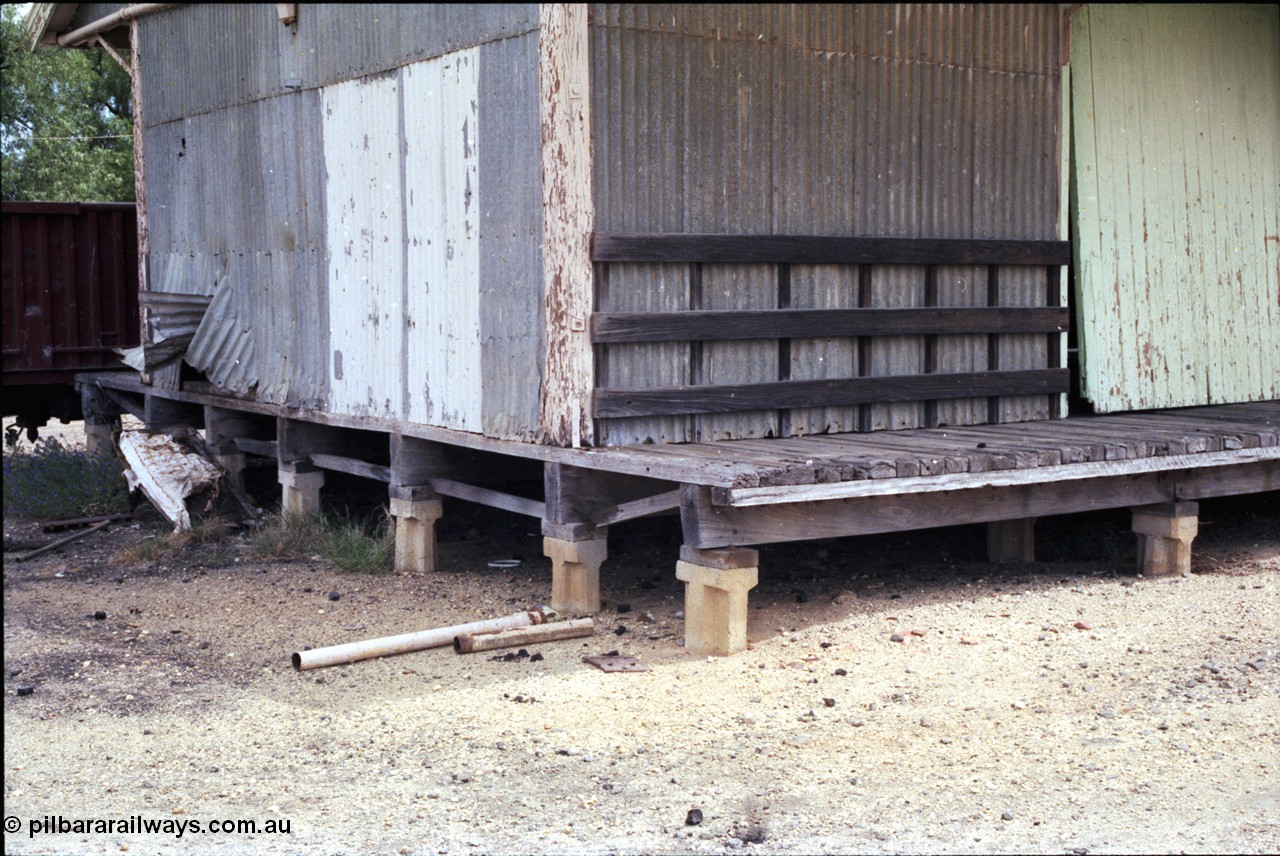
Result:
x=468 y=643
x=386 y=646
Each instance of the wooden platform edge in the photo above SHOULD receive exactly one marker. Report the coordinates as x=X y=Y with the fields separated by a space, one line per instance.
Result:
x=755 y=496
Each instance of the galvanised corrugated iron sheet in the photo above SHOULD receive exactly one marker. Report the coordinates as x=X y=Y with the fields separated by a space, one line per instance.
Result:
x=244 y=53
x=237 y=202
x=222 y=348
x=241 y=187
x=903 y=121
x=415 y=331
x=442 y=372
x=364 y=196
x=512 y=332
x=1178 y=203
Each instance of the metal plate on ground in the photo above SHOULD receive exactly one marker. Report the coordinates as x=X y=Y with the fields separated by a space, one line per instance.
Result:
x=616 y=664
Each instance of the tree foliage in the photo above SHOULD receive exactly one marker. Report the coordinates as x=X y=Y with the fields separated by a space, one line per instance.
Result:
x=65 y=121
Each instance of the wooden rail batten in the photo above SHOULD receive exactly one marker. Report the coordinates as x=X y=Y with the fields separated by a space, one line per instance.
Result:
x=820 y=249
x=612 y=403
x=909 y=391
x=706 y=325
x=568 y=219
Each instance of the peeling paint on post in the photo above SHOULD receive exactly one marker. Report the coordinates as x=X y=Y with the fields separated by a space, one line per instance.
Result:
x=139 y=173
x=567 y=223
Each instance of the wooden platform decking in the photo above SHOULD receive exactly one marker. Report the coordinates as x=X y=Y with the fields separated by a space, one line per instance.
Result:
x=750 y=492
x=761 y=471
x=734 y=494
x=840 y=465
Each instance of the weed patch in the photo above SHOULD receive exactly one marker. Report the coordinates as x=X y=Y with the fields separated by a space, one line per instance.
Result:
x=366 y=547
x=53 y=481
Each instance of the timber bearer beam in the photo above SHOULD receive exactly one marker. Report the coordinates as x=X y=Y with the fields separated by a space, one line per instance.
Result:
x=707 y=525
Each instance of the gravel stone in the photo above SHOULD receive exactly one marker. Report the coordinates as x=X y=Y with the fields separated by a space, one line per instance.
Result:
x=735 y=734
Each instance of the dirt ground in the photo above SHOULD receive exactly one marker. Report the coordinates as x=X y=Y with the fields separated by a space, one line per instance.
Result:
x=1064 y=706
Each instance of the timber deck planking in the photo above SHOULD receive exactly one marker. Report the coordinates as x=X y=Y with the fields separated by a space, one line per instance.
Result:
x=812 y=460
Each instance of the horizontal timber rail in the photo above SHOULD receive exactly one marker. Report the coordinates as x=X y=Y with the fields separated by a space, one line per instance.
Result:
x=798 y=393
x=705 y=325
x=819 y=249
x=826 y=322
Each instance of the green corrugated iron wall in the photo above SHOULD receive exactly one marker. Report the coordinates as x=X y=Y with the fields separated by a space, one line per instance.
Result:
x=1176 y=203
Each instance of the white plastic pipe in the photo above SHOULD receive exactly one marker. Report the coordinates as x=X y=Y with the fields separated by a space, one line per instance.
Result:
x=386 y=646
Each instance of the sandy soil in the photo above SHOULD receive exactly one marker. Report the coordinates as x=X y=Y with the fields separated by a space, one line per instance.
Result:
x=1061 y=706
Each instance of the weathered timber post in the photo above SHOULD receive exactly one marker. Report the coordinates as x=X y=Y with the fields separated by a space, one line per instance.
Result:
x=576 y=547
x=1012 y=540
x=222 y=427
x=414 y=503
x=101 y=419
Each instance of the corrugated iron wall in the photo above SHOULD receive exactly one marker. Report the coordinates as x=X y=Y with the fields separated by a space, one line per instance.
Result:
x=1176 y=118
x=361 y=194
x=877 y=120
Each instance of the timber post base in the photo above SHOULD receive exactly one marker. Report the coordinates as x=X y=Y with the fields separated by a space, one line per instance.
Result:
x=300 y=484
x=1165 y=533
x=575 y=572
x=715 y=598
x=416 y=512
x=1012 y=540
x=99 y=436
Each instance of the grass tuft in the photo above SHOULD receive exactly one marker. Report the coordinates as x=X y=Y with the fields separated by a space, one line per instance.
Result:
x=366 y=547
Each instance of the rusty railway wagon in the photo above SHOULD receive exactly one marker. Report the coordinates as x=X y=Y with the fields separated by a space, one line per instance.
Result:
x=792 y=272
x=70 y=282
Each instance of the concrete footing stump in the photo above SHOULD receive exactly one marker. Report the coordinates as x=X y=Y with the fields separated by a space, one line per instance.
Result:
x=416 y=532
x=1165 y=533
x=715 y=598
x=300 y=485
x=575 y=573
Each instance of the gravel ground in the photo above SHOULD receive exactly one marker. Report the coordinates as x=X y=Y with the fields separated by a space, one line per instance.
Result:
x=899 y=695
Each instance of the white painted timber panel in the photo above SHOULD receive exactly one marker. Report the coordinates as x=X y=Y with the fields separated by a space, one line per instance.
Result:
x=365 y=240
x=442 y=206
x=1176 y=127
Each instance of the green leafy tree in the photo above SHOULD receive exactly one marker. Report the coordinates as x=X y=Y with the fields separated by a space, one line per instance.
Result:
x=65 y=121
